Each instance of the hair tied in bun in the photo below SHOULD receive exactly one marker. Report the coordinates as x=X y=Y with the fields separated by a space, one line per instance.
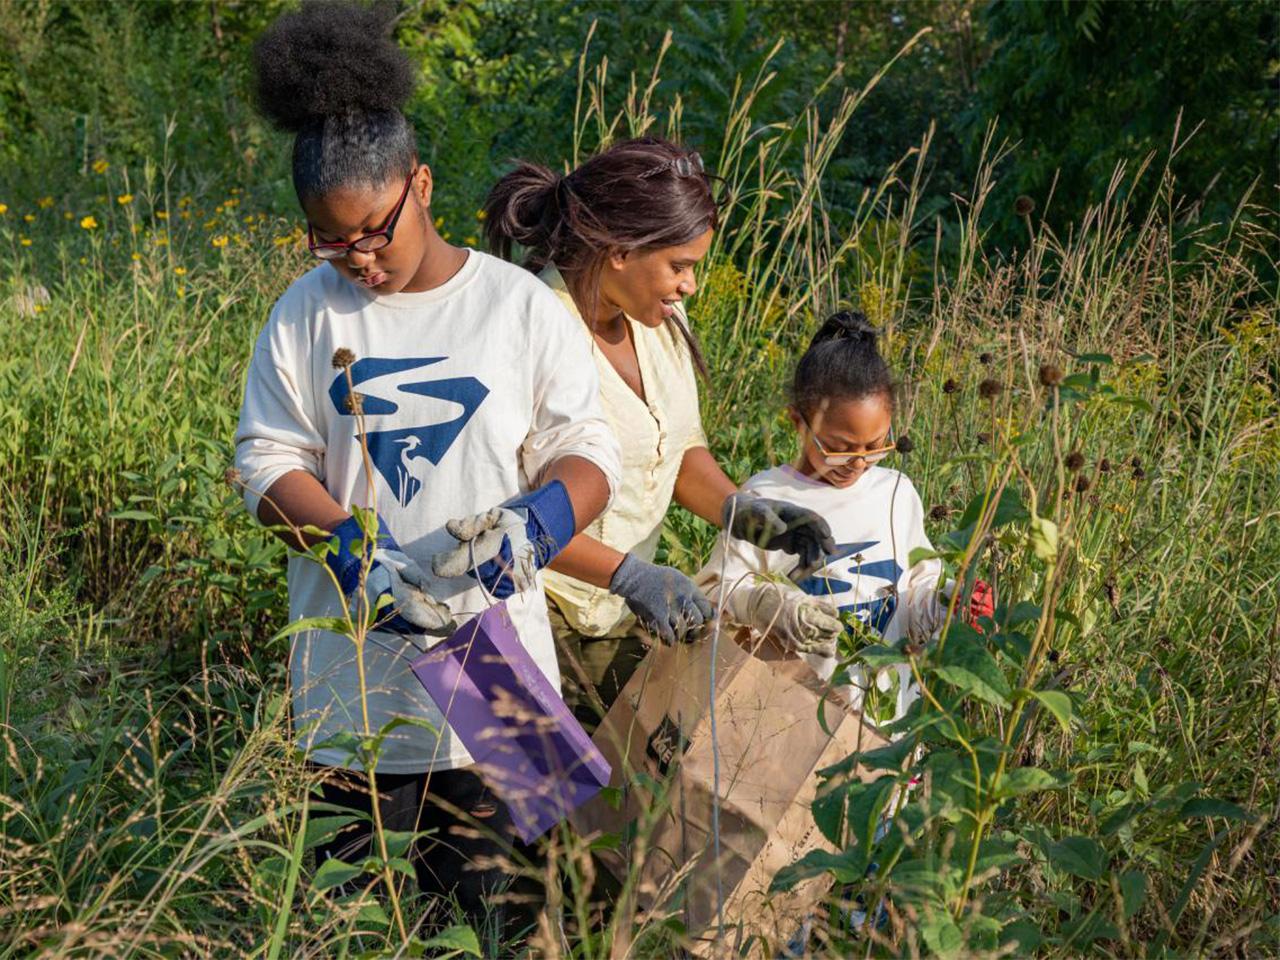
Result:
x=848 y=325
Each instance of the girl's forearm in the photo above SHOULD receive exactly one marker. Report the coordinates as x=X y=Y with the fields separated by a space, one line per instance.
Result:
x=589 y=560
x=299 y=500
x=701 y=486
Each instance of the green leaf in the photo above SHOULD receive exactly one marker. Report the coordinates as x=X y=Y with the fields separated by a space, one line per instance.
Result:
x=920 y=554
x=1023 y=935
x=889 y=757
x=334 y=872
x=460 y=939
x=1024 y=611
x=849 y=866
x=1093 y=357
x=1133 y=890
x=1136 y=402
x=1044 y=538
x=332 y=624
x=1057 y=703
x=941 y=934
x=974 y=671
x=866 y=806
x=323 y=829
x=878 y=656
x=1022 y=780
x=399 y=841
x=1079 y=856
x=1209 y=807
x=140 y=515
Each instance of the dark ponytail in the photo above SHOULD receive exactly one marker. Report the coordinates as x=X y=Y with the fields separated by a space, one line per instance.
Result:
x=842 y=363
x=332 y=75
x=642 y=194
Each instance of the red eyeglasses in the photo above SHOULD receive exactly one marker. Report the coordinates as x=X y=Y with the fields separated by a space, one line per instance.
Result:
x=365 y=244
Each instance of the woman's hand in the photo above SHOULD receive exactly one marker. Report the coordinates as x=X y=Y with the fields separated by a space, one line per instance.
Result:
x=779 y=525
x=664 y=601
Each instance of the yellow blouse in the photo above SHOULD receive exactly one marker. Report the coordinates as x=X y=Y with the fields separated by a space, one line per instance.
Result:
x=654 y=434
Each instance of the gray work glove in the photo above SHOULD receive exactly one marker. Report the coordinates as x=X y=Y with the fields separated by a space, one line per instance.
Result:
x=779 y=525
x=804 y=623
x=664 y=601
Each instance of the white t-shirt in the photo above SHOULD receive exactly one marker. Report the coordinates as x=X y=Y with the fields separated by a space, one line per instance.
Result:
x=469 y=392
x=876 y=524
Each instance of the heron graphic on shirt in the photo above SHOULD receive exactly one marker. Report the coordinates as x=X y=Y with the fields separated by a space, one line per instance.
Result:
x=404 y=455
x=844 y=571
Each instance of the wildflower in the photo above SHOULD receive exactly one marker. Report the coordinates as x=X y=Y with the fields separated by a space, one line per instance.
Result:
x=44 y=203
x=180 y=271
x=135 y=256
x=88 y=223
x=83 y=261
x=990 y=389
x=219 y=241
x=1024 y=206
x=182 y=291
x=29 y=217
x=939 y=511
x=1082 y=483
x=985 y=359
x=67 y=215
x=1050 y=376
x=439 y=222
x=4 y=207
x=1074 y=460
x=481 y=215
x=470 y=240
x=25 y=241
x=162 y=214
x=950 y=386
x=101 y=166
x=343 y=358
x=905 y=444
x=161 y=240
x=124 y=198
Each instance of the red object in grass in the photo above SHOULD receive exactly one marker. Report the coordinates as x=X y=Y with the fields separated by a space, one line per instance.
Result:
x=982 y=603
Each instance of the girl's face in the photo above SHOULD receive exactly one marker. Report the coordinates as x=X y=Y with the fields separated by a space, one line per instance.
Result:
x=645 y=284
x=842 y=426
x=348 y=213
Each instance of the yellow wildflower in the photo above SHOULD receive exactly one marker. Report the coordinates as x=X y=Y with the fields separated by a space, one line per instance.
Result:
x=88 y=223
x=162 y=214
x=67 y=215
x=29 y=217
x=100 y=166
x=180 y=271
x=83 y=261
x=218 y=208
x=181 y=291
x=135 y=256
x=161 y=240
x=480 y=215
x=3 y=207
x=249 y=218
x=38 y=308
x=219 y=241
x=439 y=222
x=470 y=241
x=44 y=203
x=25 y=241
x=124 y=198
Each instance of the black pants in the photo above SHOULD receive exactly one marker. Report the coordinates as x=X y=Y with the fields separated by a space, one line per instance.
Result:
x=470 y=854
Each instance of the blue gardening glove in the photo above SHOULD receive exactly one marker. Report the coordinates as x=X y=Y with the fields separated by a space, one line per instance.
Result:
x=410 y=609
x=664 y=600
x=505 y=547
x=779 y=525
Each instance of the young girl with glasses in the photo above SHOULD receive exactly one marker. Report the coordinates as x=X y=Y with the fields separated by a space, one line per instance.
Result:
x=842 y=405
x=445 y=389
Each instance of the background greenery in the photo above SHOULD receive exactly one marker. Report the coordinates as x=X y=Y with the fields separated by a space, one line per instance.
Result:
x=150 y=801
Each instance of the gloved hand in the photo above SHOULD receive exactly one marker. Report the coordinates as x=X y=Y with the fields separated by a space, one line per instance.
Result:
x=664 y=600
x=804 y=623
x=779 y=525
x=506 y=546
x=391 y=574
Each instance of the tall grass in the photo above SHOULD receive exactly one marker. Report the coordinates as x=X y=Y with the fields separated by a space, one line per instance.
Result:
x=151 y=797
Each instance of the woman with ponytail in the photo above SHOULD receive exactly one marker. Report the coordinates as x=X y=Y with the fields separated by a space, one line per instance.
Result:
x=842 y=404
x=440 y=387
x=617 y=239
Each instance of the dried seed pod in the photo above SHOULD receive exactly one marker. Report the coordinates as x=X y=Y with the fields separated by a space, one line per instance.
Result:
x=990 y=389
x=983 y=439
x=985 y=358
x=1024 y=206
x=1050 y=376
x=904 y=444
x=1104 y=465
x=1083 y=483
x=354 y=403
x=939 y=511
x=343 y=358
x=231 y=477
x=949 y=386
x=1074 y=460
x=913 y=649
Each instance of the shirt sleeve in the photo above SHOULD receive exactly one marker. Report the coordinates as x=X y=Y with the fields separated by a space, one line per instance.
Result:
x=277 y=433
x=567 y=418
x=921 y=606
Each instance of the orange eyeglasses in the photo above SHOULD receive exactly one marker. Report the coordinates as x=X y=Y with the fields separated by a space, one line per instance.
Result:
x=838 y=458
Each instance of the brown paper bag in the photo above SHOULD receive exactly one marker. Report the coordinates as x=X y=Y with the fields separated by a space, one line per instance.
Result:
x=771 y=744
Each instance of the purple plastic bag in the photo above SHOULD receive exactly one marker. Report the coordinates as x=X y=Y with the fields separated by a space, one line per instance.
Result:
x=529 y=747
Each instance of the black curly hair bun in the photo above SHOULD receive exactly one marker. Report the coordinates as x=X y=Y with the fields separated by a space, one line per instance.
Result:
x=330 y=58
x=847 y=325
x=842 y=362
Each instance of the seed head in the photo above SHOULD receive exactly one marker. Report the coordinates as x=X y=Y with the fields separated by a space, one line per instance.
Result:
x=1082 y=483
x=1054 y=656
x=1104 y=465
x=983 y=439
x=904 y=444
x=985 y=358
x=343 y=358
x=1024 y=206
x=231 y=477
x=950 y=386
x=1139 y=473
x=912 y=649
x=939 y=511
x=1050 y=376
x=354 y=403
x=1074 y=460
x=990 y=389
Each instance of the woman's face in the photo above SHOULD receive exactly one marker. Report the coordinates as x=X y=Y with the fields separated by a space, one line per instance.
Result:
x=842 y=426
x=348 y=213
x=645 y=285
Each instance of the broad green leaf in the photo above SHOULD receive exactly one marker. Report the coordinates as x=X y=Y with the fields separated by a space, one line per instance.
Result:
x=889 y=757
x=848 y=866
x=332 y=624
x=1133 y=890
x=1057 y=703
x=1079 y=856
x=866 y=807
x=323 y=829
x=460 y=939
x=1209 y=807
x=973 y=670
x=399 y=841
x=1093 y=357
x=941 y=934
x=1044 y=538
x=1022 y=780
x=878 y=656
x=139 y=515
x=1024 y=611
x=1024 y=935
x=920 y=554
x=334 y=872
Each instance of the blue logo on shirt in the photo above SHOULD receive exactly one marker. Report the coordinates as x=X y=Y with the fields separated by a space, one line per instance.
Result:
x=403 y=456
x=844 y=569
